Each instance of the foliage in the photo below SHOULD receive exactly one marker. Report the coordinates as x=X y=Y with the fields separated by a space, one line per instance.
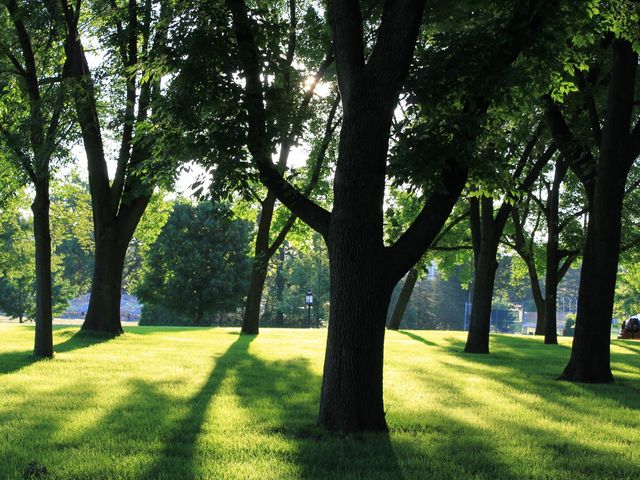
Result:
x=305 y=267
x=627 y=300
x=72 y=230
x=17 y=264
x=151 y=224
x=198 y=265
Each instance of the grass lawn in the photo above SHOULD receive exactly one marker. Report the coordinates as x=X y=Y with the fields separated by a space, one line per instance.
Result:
x=180 y=403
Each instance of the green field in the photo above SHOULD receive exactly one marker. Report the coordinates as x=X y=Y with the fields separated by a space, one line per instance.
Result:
x=186 y=403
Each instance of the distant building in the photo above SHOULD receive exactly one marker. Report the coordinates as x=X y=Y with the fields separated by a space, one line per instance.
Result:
x=129 y=308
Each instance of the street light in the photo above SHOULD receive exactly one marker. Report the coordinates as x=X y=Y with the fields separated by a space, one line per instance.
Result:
x=309 y=301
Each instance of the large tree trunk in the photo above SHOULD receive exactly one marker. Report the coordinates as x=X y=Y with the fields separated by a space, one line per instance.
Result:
x=44 y=317
x=590 y=354
x=351 y=398
x=103 y=314
x=403 y=299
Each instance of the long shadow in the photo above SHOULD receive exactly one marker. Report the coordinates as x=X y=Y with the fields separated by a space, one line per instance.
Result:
x=179 y=447
x=417 y=338
x=280 y=401
x=30 y=427
x=511 y=363
x=13 y=361
x=628 y=345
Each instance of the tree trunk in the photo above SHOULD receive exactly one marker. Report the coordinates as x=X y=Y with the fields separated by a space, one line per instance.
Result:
x=590 y=353
x=483 y=280
x=44 y=317
x=103 y=314
x=485 y=249
x=551 y=289
x=552 y=265
x=552 y=276
x=538 y=300
x=251 y=318
x=351 y=398
x=403 y=299
x=280 y=284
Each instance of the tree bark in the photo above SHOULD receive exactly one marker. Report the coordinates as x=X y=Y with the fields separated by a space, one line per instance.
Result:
x=44 y=317
x=251 y=317
x=103 y=313
x=261 y=257
x=403 y=299
x=278 y=321
x=351 y=398
x=552 y=276
x=485 y=267
x=590 y=353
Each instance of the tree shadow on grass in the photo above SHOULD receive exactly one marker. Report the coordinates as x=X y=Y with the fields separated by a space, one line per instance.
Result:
x=417 y=338
x=180 y=444
x=280 y=403
x=29 y=430
x=13 y=361
x=278 y=408
x=632 y=346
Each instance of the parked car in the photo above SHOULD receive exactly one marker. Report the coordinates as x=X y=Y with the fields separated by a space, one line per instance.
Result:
x=630 y=328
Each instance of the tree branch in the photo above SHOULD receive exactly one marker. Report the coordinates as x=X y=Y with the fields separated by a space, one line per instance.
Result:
x=311 y=213
x=564 y=268
x=591 y=108
x=525 y=185
x=346 y=24
x=410 y=247
x=393 y=50
x=20 y=155
x=315 y=176
x=580 y=159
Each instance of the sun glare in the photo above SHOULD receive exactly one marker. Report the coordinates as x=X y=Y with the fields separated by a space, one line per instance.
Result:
x=322 y=89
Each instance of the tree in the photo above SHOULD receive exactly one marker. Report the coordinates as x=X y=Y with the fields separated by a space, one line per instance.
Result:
x=198 y=266
x=363 y=269
x=131 y=37
x=487 y=227
x=563 y=242
x=602 y=162
x=32 y=105
x=298 y=59
x=17 y=264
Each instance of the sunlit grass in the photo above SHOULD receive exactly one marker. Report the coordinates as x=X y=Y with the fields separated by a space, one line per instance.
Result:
x=179 y=403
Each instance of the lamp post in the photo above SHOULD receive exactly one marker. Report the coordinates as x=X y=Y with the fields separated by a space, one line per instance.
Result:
x=309 y=301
